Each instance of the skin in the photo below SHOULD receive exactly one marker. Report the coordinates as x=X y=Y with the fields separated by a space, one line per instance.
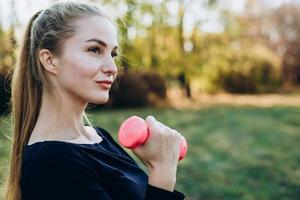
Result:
x=73 y=74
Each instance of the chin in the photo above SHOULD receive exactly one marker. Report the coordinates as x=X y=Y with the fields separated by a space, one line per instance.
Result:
x=99 y=100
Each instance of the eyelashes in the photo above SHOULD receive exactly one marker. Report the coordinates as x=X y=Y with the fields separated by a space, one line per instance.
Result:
x=97 y=50
x=114 y=54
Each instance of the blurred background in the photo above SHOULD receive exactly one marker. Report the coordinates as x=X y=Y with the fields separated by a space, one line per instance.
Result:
x=226 y=74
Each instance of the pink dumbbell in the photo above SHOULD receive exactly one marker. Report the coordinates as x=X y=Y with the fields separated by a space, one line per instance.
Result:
x=134 y=132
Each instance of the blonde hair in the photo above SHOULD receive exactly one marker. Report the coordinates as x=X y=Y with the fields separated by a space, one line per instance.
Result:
x=47 y=29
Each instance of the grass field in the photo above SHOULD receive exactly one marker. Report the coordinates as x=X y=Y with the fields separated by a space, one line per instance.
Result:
x=235 y=153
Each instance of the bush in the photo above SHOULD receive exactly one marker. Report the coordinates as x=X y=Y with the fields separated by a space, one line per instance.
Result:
x=4 y=93
x=131 y=90
x=242 y=72
x=134 y=89
x=157 y=89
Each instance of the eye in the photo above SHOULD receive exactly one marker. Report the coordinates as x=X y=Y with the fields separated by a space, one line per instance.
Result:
x=114 y=54
x=95 y=50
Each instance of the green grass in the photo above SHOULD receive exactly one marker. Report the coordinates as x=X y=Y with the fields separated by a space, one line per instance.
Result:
x=242 y=153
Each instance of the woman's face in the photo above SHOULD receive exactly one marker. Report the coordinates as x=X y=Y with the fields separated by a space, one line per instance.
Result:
x=87 y=57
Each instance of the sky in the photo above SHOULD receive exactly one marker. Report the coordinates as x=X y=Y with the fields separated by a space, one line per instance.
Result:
x=24 y=9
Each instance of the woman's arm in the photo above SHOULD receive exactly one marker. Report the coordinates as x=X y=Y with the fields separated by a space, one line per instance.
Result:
x=160 y=155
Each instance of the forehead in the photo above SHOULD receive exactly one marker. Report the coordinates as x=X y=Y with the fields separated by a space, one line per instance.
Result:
x=95 y=27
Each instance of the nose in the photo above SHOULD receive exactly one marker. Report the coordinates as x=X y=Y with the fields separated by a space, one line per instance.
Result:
x=110 y=68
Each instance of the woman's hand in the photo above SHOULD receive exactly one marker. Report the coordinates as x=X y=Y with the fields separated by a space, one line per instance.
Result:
x=160 y=153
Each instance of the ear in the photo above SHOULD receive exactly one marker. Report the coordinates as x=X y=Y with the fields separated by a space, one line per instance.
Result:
x=48 y=61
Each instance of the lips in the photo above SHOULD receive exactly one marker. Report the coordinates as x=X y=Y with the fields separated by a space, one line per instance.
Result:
x=104 y=84
x=105 y=81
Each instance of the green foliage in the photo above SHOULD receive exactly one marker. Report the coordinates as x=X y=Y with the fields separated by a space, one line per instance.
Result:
x=5 y=82
x=7 y=50
x=222 y=61
x=255 y=75
x=237 y=67
x=7 y=62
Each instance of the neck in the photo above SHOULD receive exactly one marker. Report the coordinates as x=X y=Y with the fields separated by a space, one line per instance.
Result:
x=62 y=121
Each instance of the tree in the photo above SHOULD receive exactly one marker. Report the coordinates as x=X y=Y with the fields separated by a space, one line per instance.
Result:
x=280 y=30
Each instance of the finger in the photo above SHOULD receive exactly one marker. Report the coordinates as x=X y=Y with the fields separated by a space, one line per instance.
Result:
x=150 y=121
x=163 y=125
x=153 y=125
x=177 y=133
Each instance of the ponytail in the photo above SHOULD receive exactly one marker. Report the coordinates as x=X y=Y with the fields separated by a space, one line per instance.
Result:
x=25 y=104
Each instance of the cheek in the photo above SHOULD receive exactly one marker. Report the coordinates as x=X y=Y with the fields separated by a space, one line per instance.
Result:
x=84 y=69
x=79 y=70
x=83 y=65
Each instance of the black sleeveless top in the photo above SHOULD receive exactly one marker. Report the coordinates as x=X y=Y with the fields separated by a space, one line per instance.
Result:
x=59 y=170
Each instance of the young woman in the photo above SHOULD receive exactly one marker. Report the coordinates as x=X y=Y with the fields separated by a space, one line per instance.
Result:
x=66 y=60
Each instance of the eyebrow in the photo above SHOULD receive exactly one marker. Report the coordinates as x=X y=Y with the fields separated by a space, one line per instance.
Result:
x=100 y=42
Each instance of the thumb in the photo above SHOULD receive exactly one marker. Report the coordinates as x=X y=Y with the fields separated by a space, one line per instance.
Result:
x=150 y=121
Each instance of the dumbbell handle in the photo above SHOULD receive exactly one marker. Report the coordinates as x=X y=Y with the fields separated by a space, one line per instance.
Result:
x=134 y=132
